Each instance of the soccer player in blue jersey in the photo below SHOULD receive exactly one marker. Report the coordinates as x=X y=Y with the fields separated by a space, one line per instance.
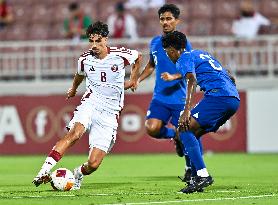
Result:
x=221 y=100
x=168 y=97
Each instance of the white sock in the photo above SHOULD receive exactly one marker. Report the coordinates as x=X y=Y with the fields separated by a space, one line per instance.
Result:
x=48 y=164
x=203 y=172
x=79 y=172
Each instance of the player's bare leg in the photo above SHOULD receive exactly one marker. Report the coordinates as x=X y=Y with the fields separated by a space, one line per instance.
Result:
x=95 y=158
x=153 y=127
x=57 y=152
x=157 y=129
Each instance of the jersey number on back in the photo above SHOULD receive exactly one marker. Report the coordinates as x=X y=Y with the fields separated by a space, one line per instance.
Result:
x=215 y=65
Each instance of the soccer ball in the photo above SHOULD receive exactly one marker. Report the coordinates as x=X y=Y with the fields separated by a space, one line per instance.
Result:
x=62 y=179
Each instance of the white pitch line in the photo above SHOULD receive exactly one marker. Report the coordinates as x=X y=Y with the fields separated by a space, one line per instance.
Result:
x=196 y=200
x=38 y=196
x=227 y=191
x=73 y=195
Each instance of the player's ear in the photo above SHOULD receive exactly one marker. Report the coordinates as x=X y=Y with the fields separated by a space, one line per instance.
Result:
x=178 y=21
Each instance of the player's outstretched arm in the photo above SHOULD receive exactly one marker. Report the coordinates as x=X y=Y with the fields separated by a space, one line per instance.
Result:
x=184 y=120
x=77 y=80
x=148 y=70
x=134 y=76
x=170 y=77
x=132 y=83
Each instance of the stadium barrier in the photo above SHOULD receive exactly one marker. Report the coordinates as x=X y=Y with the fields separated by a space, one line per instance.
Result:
x=32 y=124
x=48 y=60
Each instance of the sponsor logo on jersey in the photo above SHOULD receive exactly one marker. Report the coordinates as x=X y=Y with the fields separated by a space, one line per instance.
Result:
x=92 y=69
x=196 y=115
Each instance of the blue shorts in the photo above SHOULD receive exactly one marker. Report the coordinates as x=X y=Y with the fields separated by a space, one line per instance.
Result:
x=165 y=112
x=212 y=112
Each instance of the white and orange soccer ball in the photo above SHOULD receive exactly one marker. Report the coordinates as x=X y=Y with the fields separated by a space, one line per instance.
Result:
x=62 y=179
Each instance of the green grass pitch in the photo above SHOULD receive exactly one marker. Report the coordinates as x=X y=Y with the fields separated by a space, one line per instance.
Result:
x=145 y=179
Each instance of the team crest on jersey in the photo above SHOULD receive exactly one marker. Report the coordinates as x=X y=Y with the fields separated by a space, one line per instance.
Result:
x=114 y=68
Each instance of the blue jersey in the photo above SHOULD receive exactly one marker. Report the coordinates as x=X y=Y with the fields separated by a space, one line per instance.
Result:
x=166 y=92
x=212 y=78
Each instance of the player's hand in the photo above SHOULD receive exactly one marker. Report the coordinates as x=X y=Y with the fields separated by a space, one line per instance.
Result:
x=135 y=85
x=131 y=84
x=127 y=84
x=184 y=121
x=71 y=93
x=167 y=76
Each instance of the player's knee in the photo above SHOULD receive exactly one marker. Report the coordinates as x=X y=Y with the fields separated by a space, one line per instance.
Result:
x=74 y=135
x=152 y=129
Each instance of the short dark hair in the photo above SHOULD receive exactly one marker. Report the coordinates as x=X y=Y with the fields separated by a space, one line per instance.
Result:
x=169 y=8
x=174 y=39
x=73 y=6
x=99 y=28
x=120 y=7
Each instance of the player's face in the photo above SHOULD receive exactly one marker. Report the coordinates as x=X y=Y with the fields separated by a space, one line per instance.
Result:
x=98 y=44
x=75 y=13
x=168 y=22
x=173 y=54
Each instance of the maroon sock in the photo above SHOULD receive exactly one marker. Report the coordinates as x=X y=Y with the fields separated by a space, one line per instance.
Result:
x=55 y=155
x=83 y=170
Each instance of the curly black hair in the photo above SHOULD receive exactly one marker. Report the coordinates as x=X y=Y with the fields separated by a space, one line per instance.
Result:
x=73 y=6
x=174 y=39
x=172 y=8
x=99 y=28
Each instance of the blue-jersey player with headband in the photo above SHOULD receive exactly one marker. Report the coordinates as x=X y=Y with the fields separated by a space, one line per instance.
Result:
x=168 y=98
x=221 y=100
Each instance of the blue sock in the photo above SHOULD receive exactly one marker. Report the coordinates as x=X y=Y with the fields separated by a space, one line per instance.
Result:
x=201 y=146
x=192 y=148
x=190 y=165
x=193 y=171
x=187 y=161
x=166 y=133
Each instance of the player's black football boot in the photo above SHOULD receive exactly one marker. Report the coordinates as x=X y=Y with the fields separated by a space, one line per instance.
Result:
x=187 y=176
x=198 y=184
x=188 y=179
x=199 y=190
